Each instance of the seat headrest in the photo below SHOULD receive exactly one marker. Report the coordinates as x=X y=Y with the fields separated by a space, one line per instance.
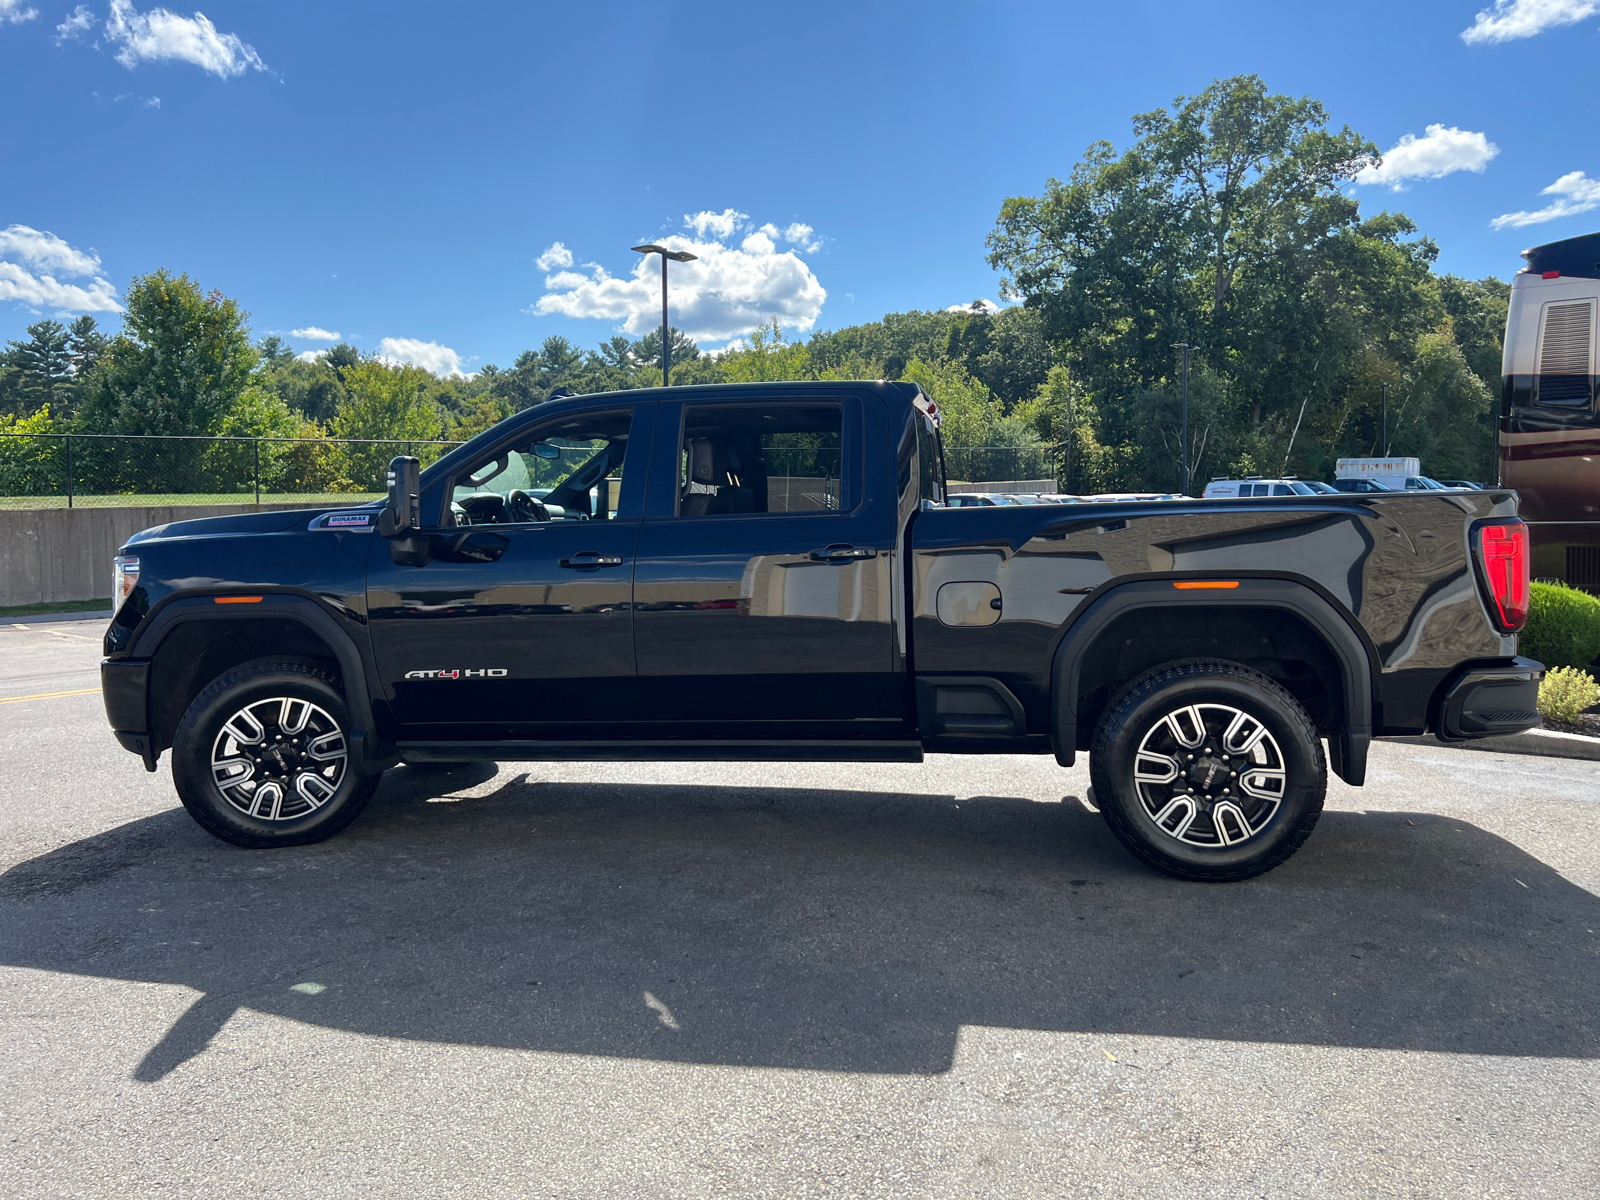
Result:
x=708 y=461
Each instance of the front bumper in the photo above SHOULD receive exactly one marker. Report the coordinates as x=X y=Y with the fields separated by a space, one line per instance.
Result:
x=1491 y=701
x=125 y=688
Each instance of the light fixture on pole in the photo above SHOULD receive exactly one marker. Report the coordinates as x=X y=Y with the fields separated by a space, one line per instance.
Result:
x=666 y=340
x=1185 y=347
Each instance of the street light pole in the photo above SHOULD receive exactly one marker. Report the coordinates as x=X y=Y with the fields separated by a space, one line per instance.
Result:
x=1185 y=347
x=666 y=339
x=1386 y=420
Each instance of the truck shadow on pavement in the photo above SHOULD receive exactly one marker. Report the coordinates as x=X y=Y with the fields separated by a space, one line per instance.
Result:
x=776 y=927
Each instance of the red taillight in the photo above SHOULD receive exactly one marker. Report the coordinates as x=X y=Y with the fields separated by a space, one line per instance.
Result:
x=1503 y=551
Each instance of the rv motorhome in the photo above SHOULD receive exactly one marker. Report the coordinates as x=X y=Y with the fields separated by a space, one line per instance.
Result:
x=1549 y=430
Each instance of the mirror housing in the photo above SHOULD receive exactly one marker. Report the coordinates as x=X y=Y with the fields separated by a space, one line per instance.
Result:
x=401 y=518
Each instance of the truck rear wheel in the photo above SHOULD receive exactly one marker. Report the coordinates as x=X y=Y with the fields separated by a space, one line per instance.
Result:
x=1207 y=770
x=261 y=757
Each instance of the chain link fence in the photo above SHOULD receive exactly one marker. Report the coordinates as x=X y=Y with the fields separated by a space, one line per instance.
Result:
x=89 y=470
x=976 y=464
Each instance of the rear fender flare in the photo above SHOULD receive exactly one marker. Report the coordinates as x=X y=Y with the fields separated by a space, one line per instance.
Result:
x=1349 y=748
x=368 y=752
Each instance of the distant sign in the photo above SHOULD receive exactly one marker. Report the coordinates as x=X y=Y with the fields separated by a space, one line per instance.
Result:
x=1377 y=468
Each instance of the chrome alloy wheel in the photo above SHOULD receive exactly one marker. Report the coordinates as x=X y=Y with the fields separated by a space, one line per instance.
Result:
x=1210 y=775
x=279 y=759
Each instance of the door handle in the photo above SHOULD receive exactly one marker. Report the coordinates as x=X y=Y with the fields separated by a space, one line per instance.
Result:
x=589 y=559
x=841 y=552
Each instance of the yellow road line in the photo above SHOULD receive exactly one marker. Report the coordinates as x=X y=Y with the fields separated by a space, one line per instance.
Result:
x=46 y=695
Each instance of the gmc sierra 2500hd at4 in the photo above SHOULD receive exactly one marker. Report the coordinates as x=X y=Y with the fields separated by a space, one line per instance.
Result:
x=768 y=572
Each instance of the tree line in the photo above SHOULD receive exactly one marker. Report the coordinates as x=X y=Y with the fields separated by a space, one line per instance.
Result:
x=1225 y=224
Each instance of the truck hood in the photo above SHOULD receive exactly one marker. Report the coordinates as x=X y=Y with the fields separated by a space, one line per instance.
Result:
x=261 y=522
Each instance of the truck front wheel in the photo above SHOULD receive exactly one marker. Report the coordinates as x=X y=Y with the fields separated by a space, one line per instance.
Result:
x=261 y=757
x=1207 y=770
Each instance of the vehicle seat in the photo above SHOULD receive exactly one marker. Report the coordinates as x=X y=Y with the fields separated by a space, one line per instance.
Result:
x=708 y=469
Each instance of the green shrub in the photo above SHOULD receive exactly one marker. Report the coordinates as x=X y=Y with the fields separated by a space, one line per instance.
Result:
x=1565 y=693
x=1563 y=627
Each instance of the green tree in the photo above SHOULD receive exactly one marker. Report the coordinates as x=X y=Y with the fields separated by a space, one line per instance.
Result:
x=390 y=403
x=40 y=369
x=178 y=366
x=766 y=357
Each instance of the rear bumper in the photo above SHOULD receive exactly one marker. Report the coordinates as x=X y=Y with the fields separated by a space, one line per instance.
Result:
x=1491 y=701
x=125 y=688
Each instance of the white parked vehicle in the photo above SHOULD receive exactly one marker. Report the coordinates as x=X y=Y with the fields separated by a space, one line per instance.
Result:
x=1245 y=489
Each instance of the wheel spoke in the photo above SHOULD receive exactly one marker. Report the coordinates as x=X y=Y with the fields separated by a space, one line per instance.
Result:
x=1243 y=733
x=294 y=714
x=1177 y=816
x=327 y=747
x=1264 y=783
x=1231 y=825
x=1188 y=727
x=243 y=728
x=231 y=772
x=314 y=789
x=1150 y=767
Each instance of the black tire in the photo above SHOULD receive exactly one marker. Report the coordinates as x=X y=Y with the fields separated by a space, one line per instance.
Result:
x=236 y=690
x=1213 y=844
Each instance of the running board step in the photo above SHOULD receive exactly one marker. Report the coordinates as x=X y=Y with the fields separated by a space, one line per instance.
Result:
x=667 y=750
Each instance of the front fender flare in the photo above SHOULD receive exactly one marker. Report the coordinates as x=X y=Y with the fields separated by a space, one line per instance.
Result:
x=369 y=753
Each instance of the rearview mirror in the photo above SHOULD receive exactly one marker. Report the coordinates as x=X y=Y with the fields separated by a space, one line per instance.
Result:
x=546 y=451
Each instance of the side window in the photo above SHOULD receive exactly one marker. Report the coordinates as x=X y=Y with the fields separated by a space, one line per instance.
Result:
x=566 y=470
x=1282 y=489
x=769 y=458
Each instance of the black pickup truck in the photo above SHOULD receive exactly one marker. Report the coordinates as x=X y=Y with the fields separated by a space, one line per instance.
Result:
x=769 y=572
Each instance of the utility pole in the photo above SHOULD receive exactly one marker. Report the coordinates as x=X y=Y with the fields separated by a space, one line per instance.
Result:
x=666 y=339
x=1386 y=420
x=1185 y=347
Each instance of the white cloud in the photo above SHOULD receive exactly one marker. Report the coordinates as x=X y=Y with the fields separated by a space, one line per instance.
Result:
x=31 y=260
x=46 y=250
x=313 y=333
x=987 y=306
x=555 y=255
x=1512 y=19
x=163 y=36
x=803 y=236
x=430 y=356
x=718 y=225
x=1439 y=152
x=311 y=355
x=79 y=21
x=12 y=11
x=1575 y=192
x=728 y=292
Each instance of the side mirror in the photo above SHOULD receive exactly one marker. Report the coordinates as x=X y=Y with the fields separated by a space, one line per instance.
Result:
x=401 y=518
x=402 y=511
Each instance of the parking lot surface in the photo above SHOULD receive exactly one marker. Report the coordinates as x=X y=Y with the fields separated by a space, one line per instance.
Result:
x=582 y=980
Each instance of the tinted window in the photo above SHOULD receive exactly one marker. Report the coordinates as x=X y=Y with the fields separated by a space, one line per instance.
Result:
x=738 y=459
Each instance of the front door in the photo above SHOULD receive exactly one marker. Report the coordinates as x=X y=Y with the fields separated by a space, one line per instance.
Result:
x=519 y=626
x=762 y=595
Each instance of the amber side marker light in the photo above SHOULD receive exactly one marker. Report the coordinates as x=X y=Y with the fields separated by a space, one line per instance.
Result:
x=236 y=599
x=1190 y=585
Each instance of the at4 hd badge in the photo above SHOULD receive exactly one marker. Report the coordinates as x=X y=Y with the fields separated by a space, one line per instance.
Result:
x=461 y=673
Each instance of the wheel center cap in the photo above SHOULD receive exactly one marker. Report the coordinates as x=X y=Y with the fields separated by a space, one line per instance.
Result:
x=1208 y=772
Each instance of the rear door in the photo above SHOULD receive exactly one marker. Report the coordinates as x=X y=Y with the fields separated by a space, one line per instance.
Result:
x=763 y=605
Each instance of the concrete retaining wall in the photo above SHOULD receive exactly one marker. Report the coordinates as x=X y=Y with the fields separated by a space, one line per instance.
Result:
x=53 y=554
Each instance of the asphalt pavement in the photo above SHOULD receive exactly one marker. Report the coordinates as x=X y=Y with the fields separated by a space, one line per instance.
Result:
x=594 y=980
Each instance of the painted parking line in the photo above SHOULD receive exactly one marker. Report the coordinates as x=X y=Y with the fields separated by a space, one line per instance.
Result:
x=47 y=695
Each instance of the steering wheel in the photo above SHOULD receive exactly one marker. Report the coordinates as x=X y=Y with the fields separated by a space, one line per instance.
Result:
x=522 y=507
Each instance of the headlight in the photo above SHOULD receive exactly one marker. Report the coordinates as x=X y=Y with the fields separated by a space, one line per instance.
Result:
x=124 y=577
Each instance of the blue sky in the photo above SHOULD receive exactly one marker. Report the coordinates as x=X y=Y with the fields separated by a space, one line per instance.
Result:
x=407 y=171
